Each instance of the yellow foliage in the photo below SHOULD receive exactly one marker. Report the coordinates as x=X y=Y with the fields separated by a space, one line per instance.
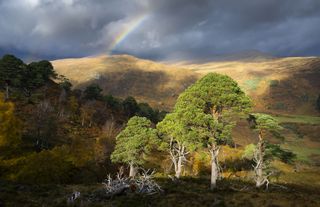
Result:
x=283 y=167
x=81 y=151
x=201 y=162
x=10 y=126
x=229 y=153
x=47 y=166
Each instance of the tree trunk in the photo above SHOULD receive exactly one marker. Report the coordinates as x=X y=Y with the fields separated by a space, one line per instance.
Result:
x=177 y=157
x=179 y=167
x=214 y=167
x=132 y=172
x=174 y=161
x=260 y=178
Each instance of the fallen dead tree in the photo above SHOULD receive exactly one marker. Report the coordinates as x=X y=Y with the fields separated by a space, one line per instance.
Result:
x=141 y=184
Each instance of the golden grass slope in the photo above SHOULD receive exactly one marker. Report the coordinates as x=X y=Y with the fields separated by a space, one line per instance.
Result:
x=124 y=75
x=278 y=85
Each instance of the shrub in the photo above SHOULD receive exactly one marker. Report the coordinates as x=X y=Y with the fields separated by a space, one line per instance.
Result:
x=274 y=83
x=48 y=166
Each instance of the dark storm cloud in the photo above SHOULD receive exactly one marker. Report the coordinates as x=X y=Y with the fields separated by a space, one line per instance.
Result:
x=171 y=29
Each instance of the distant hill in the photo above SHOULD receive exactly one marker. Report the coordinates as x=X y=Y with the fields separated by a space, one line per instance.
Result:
x=277 y=85
x=124 y=75
x=247 y=55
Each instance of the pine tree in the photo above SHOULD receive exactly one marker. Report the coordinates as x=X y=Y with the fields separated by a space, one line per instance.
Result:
x=134 y=143
x=93 y=92
x=204 y=113
x=262 y=123
x=12 y=71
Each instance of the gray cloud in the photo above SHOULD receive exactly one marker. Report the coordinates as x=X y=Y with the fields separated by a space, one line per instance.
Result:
x=171 y=29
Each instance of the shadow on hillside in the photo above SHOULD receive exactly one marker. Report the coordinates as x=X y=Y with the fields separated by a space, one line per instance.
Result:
x=155 y=87
x=297 y=93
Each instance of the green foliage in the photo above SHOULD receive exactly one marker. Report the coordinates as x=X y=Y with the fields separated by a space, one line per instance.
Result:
x=275 y=151
x=93 y=92
x=173 y=127
x=38 y=73
x=202 y=116
x=205 y=108
x=130 y=106
x=135 y=141
x=224 y=133
x=220 y=93
x=64 y=83
x=112 y=102
x=272 y=151
x=249 y=151
x=12 y=71
x=145 y=110
x=45 y=167
x=274 y=83
x=265 y=122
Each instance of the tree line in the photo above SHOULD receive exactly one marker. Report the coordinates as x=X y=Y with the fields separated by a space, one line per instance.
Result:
x=48 y=126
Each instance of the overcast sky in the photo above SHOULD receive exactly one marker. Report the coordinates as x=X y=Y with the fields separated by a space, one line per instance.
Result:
x=158 y=29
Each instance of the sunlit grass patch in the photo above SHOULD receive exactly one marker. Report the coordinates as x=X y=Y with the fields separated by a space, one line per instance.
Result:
x=252 y=84
x=298 y=119
x=303 y=153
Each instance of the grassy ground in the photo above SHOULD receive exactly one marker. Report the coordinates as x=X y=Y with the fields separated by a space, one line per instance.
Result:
x=188 y=192
x=303 y=153
x=298 y=119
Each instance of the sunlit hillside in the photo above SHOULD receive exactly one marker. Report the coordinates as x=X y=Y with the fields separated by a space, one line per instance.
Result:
x=124 y=75
x=285 y=87
x=277 y=85
x=281 y=85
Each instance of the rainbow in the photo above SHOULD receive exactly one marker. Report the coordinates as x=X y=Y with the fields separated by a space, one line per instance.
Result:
x=126 y=31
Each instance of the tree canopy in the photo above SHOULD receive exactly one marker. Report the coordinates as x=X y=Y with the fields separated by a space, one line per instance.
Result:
x=93 y=91
x=135 y=141
x=265 y=122
x=130 y=106
x=40 y=72
x=15 y=73
x=206 y=107
x=12 y=70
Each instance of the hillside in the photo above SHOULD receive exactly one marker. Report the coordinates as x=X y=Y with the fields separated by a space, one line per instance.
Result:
x=277 y=85
x=123 y=75
x=286 y=87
